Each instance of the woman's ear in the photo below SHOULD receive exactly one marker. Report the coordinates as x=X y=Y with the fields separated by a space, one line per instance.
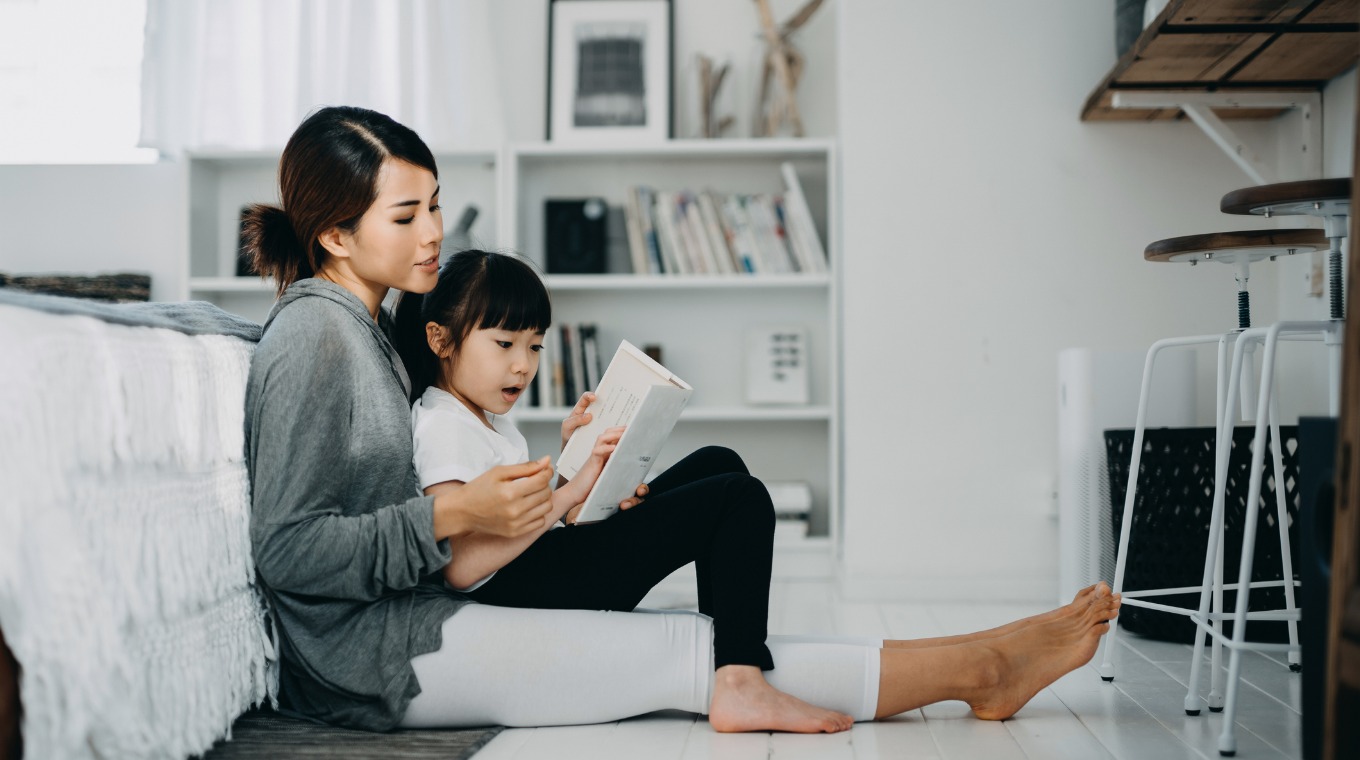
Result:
x=437 y=337
x=334 y=241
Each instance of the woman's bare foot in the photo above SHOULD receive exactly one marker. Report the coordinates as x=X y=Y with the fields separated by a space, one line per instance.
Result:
x=744 y=701
x=1033 y=657
x=1083 y=599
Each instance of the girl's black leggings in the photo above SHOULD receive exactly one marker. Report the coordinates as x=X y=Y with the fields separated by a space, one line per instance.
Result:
x=707 y=509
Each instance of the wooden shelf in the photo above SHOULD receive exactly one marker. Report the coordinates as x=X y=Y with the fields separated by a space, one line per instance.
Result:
x=1232 y=46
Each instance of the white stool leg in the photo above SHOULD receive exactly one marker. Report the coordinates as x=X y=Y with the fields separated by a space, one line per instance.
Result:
x=1227 y=740
x=1282 y=521
x=1216 y=645
x=1193 y=703
x=1130 y=490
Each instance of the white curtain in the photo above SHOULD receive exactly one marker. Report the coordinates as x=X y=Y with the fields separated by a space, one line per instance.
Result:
x=242 y=74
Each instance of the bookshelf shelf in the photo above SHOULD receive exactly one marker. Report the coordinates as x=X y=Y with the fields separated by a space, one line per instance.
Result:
x=772 y=149
x=558 y=282
x=555 y=415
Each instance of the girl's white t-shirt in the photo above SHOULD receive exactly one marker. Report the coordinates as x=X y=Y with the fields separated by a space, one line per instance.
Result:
x=450 y=443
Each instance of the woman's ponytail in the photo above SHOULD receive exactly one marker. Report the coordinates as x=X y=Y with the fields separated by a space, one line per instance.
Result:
x=272 y=245
x=408 y=337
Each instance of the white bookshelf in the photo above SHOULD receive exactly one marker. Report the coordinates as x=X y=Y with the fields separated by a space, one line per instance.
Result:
x=699 y=320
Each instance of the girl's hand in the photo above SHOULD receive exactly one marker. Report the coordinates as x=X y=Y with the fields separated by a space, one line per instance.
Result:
x=633 y=501
x=590 y=472
x=578 y=417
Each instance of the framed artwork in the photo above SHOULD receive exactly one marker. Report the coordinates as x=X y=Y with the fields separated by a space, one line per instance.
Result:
x=610 y=71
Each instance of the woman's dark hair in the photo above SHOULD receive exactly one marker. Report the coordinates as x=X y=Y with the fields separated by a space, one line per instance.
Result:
x=328 y=177
x=475 y=290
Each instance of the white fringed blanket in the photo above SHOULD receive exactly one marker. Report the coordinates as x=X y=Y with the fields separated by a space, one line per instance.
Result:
x=126 y=581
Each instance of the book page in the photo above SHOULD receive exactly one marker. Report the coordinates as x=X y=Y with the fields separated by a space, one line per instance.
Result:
x=629 y=375
x=655 y=417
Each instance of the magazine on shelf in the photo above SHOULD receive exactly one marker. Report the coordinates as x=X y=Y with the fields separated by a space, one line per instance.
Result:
x=646 y=398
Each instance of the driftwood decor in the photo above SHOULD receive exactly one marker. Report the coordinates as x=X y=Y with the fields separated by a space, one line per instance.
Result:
x=710 y=83
x=782 y=68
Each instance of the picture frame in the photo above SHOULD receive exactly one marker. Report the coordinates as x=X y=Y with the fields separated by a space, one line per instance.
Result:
x=610 y=71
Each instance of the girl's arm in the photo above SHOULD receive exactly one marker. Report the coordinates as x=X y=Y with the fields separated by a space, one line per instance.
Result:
x=478 y=554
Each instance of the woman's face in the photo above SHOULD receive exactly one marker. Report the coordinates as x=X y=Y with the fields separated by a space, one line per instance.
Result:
x=396 y=244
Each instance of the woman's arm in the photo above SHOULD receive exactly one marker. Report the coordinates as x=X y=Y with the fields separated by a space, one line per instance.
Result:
x=306 y=537
x=477 y=554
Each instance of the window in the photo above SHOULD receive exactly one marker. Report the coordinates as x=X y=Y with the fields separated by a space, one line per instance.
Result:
x=70 y=81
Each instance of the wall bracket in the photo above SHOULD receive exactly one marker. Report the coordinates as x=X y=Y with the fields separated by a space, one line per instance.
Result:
x=1199 y=106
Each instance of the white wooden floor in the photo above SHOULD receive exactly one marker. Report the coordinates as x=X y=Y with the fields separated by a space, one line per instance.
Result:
x=1079 y=717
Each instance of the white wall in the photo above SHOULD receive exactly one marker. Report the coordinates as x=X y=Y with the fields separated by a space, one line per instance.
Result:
x=986 y=228
x=87 y=219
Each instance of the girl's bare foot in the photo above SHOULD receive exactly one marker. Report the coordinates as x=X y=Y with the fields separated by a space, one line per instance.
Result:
x=1028 y=660
x=744 y=701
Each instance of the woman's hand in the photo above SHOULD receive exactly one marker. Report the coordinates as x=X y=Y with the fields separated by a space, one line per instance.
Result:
x=509 y=500
x=578 y=417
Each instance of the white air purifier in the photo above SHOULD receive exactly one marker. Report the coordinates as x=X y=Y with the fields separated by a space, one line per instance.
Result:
x=1098 y=391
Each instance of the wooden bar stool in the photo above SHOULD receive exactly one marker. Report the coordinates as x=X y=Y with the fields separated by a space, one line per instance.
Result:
x=1239 y=250
x=1326 y=199
x=1330 y=201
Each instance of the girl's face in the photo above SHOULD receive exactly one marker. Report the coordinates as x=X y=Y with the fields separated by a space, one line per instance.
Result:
x=492 y=368
x=396 y=244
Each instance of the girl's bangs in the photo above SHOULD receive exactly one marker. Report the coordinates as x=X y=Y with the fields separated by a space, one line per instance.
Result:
x=516 y=298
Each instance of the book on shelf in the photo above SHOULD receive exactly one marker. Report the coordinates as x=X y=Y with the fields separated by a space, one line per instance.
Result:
x=799 y=217
x=569 y=365
x=645 y=397
x=686 y=232
x=792 y=500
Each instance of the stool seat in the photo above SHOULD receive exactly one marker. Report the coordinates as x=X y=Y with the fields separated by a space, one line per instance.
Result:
x=1286 y=198
x=1234 y=247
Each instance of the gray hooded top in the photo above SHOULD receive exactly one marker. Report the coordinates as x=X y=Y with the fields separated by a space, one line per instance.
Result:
x=343 y=541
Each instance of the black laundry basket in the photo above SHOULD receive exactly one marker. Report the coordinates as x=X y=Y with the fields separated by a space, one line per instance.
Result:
x=1170 y=530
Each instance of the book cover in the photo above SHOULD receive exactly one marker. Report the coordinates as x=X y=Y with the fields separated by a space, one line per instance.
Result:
x=646 y=207
x=651 y=425
x=801 y=218
x=637 y=247
x=717 y=240
x=569 y=382
x=699 y=233
x=625 y=383
x=736 y=227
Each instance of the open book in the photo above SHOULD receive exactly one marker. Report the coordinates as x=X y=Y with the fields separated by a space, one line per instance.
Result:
x=642 y=395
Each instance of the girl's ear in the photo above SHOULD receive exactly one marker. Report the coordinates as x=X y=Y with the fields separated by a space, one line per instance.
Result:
x=438 y=338
x=333 y=240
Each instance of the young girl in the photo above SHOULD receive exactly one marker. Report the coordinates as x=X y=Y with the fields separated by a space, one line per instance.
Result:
x=485 y=353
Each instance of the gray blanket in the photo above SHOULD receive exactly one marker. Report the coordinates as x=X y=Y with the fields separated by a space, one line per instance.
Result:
x=188 y=317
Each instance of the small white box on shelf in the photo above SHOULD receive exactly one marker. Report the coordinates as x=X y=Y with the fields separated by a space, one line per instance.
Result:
x=790 y=496
x=777 y=365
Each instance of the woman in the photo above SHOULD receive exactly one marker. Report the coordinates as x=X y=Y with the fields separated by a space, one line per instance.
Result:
x=349 y=554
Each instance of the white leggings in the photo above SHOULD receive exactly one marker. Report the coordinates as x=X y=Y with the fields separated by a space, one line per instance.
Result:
x=521 y=667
